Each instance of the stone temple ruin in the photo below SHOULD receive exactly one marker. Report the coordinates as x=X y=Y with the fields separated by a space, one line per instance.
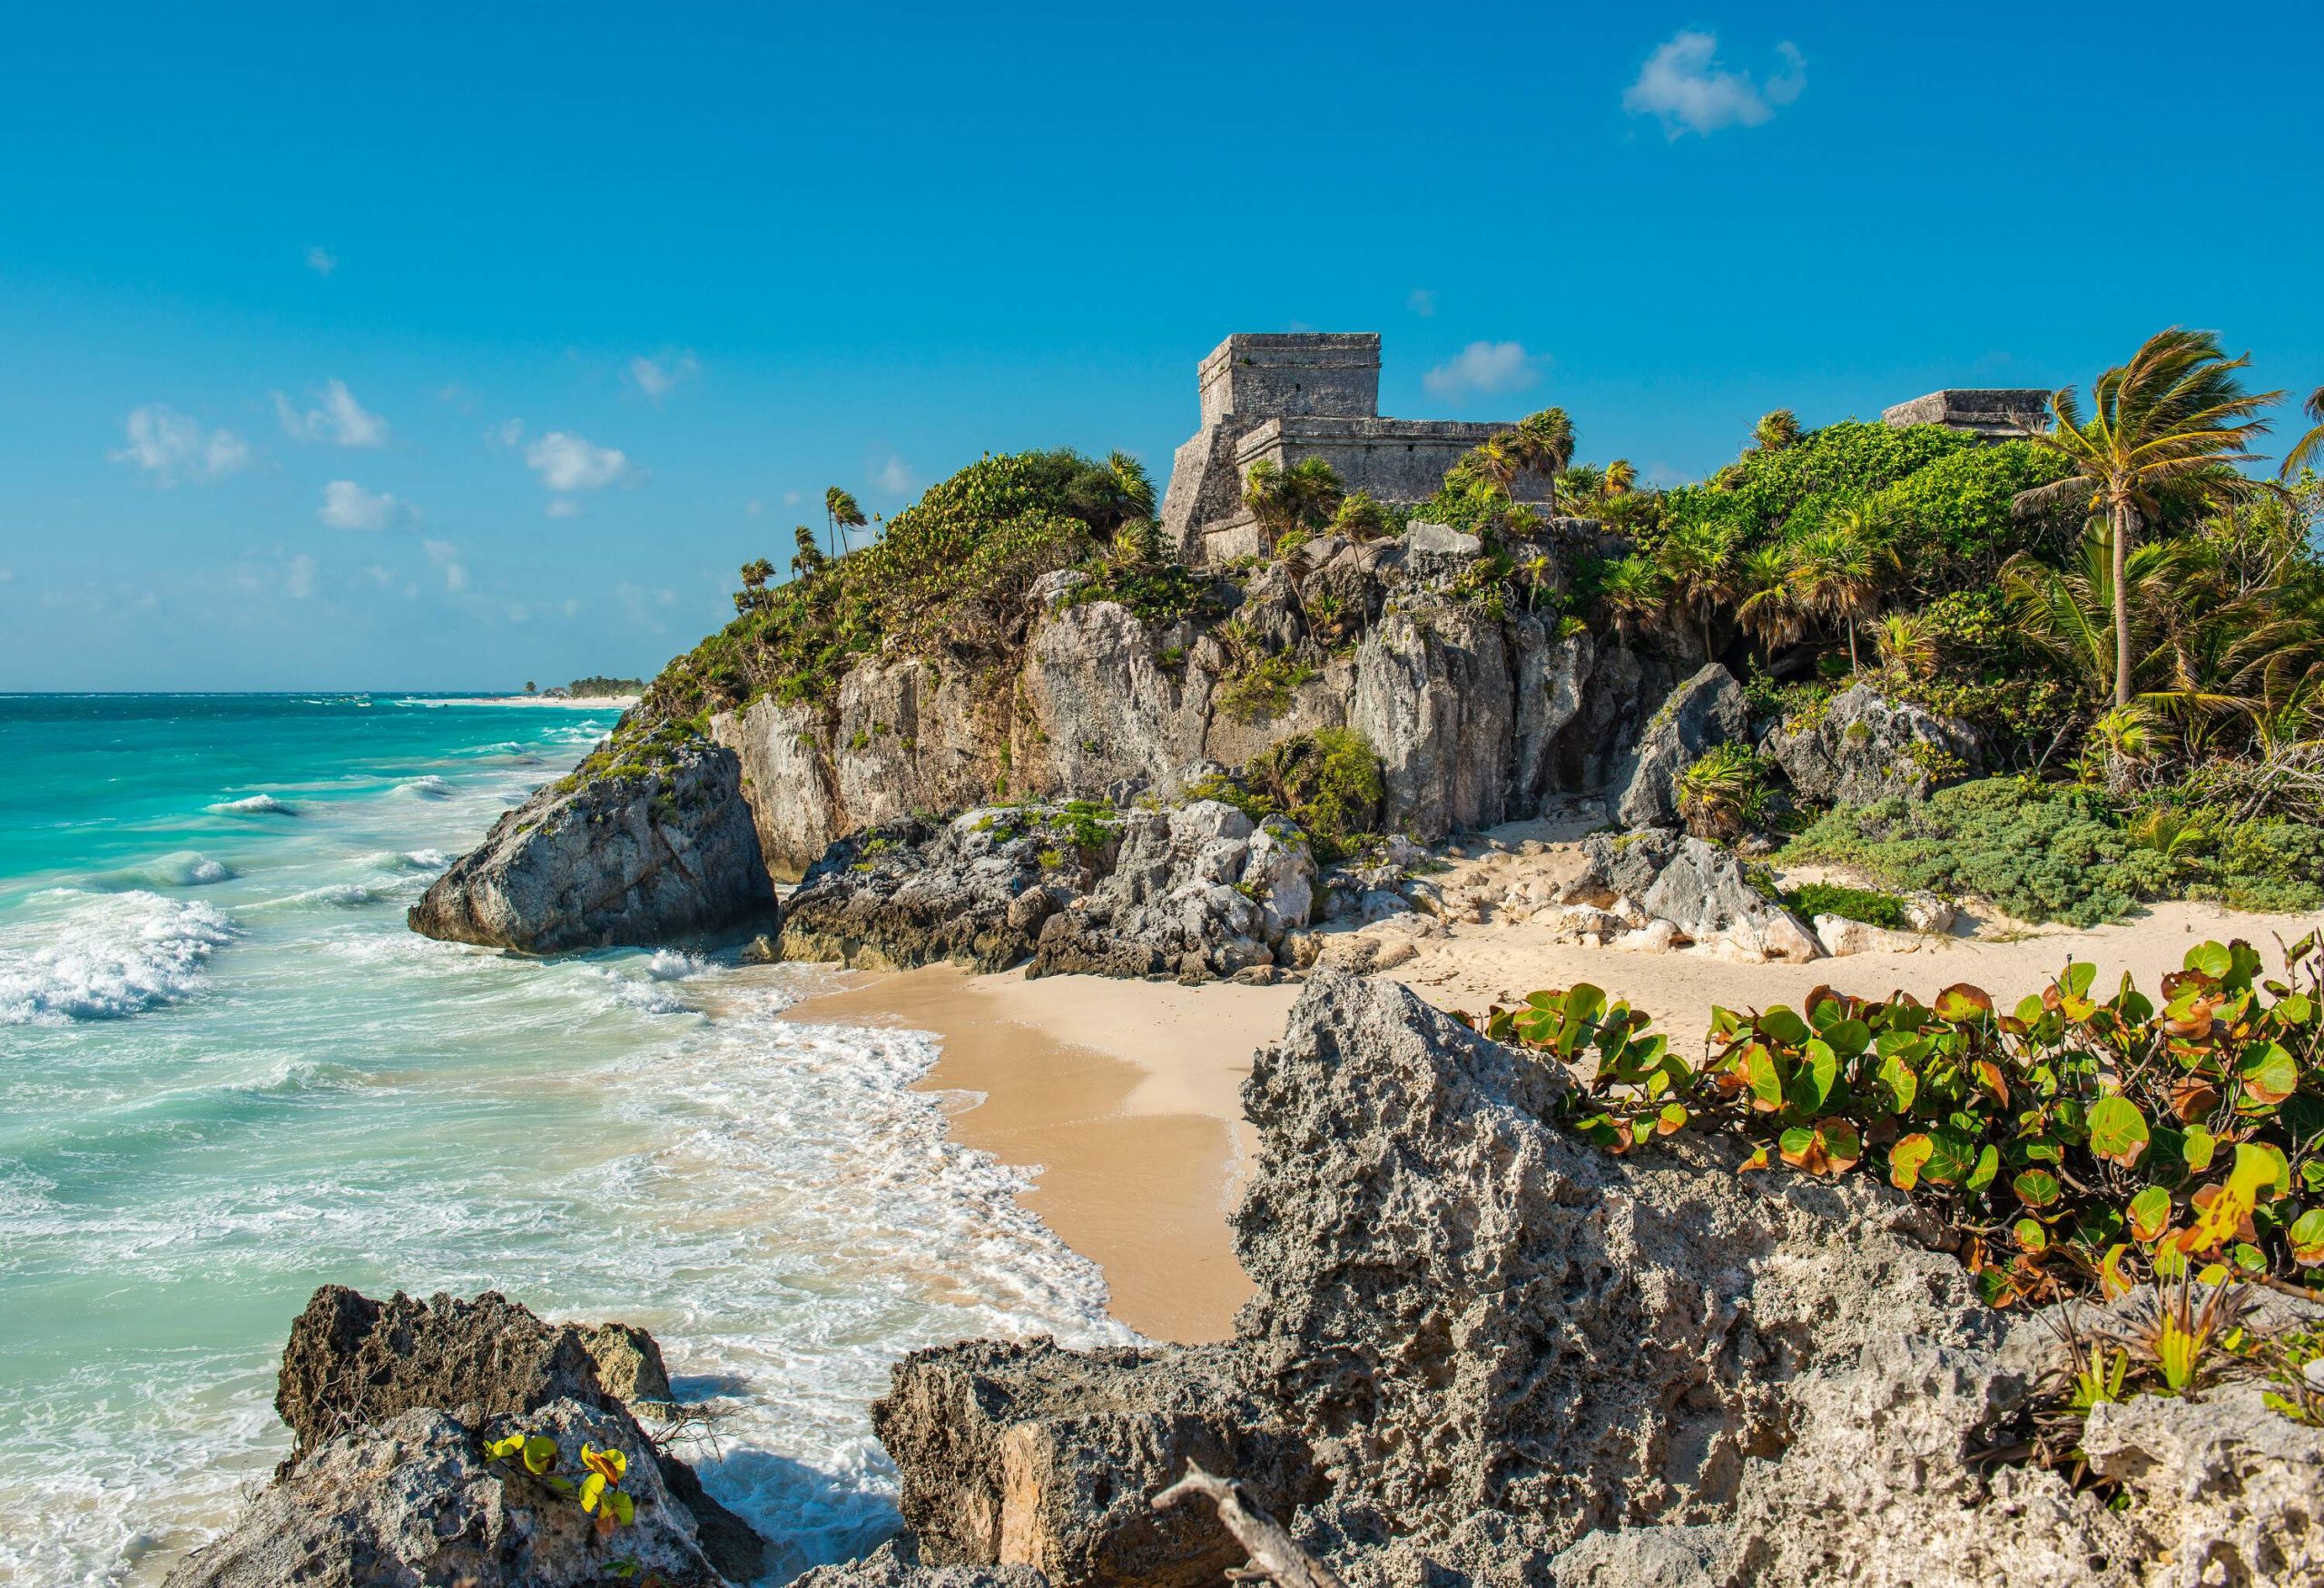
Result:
x=1286 y=397
x=1992 y=416
x=1291 y=397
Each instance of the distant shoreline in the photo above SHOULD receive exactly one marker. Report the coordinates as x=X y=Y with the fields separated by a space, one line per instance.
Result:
x=569 y=703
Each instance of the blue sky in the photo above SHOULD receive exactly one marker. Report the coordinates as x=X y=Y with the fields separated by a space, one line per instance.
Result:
x=430 y=348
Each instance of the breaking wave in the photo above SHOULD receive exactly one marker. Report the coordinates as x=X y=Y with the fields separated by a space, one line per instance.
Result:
x=254 y=805
x=115 y=955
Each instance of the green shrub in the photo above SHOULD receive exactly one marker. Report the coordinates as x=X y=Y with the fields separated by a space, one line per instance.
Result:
x=1810 y=900
x=2073 y=1145
x=1724 y=793
x=1326 y=780
x=2039 y=852
x=1261 y=686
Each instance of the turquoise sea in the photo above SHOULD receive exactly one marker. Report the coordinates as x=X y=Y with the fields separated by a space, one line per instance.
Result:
x=228 y=1074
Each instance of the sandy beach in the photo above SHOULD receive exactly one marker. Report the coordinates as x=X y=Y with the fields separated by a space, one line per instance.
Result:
x=563 y=702
x=1124 y=1097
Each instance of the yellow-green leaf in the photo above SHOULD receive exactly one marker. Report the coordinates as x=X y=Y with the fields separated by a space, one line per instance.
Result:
x=540 y=1454
x=1906 y=1159
x=2118 y=1131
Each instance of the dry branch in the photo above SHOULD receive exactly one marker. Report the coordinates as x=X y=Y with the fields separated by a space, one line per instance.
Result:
x=1275 y=1556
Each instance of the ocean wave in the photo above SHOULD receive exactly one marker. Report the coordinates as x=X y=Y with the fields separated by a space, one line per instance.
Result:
x=254 y=805
x=183 y=868
x=410 y=860
x=334 y=896
x=430 y=788
x=113 y=956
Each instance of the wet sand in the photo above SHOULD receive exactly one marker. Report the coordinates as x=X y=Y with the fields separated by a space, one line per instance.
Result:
x=1124 y=1098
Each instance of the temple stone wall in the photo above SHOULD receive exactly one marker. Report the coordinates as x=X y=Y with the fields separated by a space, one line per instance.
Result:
x=1997 y=415
x=1288 y=397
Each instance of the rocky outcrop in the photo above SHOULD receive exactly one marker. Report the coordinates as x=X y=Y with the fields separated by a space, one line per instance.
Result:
x=1706 y=710
x=974 y=890
x=1037 y=1456
x=1863 y=746
x=411 y=1499
x=1516 y=1360
x=353 y=1363
x=653 y=857
x=1197 y=893
x=1696 y=890
x=1467 y=1309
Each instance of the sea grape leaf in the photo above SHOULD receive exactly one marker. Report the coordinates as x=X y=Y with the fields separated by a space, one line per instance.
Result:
x=2118 y=1131
x=1906 y=1159
x=1784 y=1026
x=540 y=1454
x=2197 y=1148
x=2036 y=1187
x=2307 y=1237
x=1961 y=1004
x=2270 y=1074
x=2150 y=1213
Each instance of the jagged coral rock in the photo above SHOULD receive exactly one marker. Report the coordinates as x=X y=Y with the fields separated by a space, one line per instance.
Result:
x=1706 y=710
x=598 y=860
x=411 y=1499
x=1031 y=1455
x=352 y=1362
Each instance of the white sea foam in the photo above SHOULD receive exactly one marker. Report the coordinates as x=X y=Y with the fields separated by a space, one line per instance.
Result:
x=254 y=805
x=334 y=896
x=109 y=956
x=430 y=788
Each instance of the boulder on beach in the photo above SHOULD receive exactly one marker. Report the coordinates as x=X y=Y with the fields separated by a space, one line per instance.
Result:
x=390 y=1403
x=603 y=858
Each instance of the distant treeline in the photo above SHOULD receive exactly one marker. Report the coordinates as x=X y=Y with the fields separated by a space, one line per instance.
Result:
x=592 y=685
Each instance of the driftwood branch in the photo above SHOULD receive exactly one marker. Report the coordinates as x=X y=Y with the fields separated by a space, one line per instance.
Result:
x=1275 y=1555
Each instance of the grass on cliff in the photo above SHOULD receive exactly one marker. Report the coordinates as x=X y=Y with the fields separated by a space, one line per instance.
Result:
x=947 y=578
x=1328 y=780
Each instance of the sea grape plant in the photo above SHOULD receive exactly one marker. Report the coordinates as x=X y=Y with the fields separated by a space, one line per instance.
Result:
x=598 y=1490
x=2075 y=1144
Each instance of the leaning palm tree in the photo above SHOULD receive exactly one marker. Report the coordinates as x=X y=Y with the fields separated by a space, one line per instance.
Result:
x=1543 y=442
x=1620 y=479
x=841 y=514
x=2175 y=414
x=2310 y=449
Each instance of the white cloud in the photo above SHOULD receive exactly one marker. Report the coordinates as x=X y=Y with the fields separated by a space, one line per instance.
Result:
x=321 y=260
x=1683 y=85
x=446 y=556
x=753 y=508
x=656 y=376
x=378 y=575
x=564 y=508
x=171 y=447
x=791 y=498
x=347 y=506
x=341 y=420
x=506 y=433
x=299 y=581
x=1482 y=370
x=891 y=475
x=1423 y=302
x=6 y=575
x=567 y=462
x=643 y=607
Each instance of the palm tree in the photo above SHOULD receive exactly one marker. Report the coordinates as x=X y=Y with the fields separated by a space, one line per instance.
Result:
x=1621 y=479
x=1906 y=643
x=1697 y=559
x=2176 y=413
x=1496 y=460
x=1769 y=608
x=1543 y=442
x=841 y=514
x=1776 y=430
x=1301 y=497
x=2310 y=449
x=1631 y=590
x=1835 y=567
x=1578 y=487
x=809 y=558
x=1361 y=517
